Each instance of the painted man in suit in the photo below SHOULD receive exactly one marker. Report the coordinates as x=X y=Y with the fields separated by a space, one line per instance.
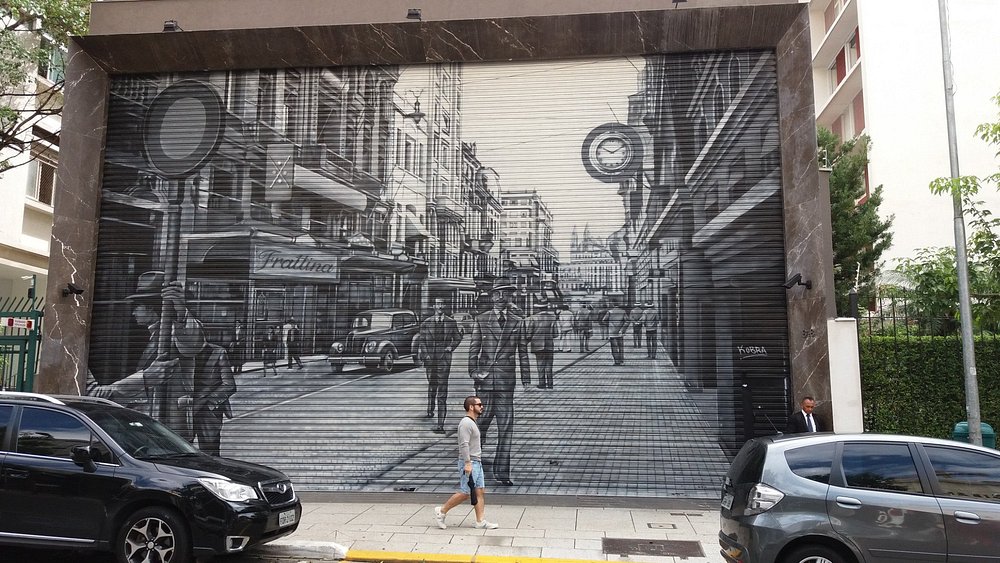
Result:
x=439 y=336
x=498 y=335
x=185 y=386
x=804 y=421
x=542 y=332
x=618 y=321
x=649 y=322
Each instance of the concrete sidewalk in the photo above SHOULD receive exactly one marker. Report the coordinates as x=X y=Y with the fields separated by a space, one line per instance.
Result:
x=381 y=528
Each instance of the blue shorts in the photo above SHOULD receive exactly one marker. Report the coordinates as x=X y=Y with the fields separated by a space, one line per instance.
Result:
x=477 y=476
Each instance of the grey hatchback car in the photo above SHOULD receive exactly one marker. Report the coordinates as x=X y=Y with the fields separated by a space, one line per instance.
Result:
x=861 y=498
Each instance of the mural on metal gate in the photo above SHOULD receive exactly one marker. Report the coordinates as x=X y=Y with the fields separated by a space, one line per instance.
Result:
x=313 y=267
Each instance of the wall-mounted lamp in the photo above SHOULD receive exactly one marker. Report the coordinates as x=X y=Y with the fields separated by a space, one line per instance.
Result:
x=72 y=289
x=171 y=25
x=416 y=115
x=413 y=14
x=797 y=280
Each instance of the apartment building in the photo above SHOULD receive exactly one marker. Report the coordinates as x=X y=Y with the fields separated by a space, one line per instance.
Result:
x=877 y=69
x=27 y=189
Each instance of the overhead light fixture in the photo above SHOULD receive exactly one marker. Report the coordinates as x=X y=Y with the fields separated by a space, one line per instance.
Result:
x=416 y=115
x=413 y=14
x=171 y=25
x=676 y=2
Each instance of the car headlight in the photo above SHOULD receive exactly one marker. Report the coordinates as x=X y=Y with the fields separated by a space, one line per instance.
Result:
x=228 y=490
x=338 y=347
x=370 y=346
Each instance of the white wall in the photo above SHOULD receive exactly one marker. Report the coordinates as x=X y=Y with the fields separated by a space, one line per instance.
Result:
x=845 y=375
x=905 y=112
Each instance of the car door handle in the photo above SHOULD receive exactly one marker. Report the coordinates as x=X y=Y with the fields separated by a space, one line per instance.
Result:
x=15 y=473
x=966 y=517
x=848 y=502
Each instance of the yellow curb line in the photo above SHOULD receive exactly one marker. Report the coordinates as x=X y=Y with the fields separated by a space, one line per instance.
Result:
x=386 y=556
x=412 y=557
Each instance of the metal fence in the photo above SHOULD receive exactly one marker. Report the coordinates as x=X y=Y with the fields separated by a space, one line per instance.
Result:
x=903 y=314
x=20 y=330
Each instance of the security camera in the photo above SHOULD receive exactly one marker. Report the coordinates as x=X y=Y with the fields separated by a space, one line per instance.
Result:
x=72 y=289
x=797 y=280
x=792 y=281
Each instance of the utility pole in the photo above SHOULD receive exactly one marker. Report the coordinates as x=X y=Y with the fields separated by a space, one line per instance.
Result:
x=962 y=261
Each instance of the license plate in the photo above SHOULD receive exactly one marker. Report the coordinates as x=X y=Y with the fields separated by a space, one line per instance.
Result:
x=727 y=501
x=286 y=518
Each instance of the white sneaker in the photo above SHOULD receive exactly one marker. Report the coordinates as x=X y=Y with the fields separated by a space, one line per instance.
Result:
x=484 y=525
x=439 y=516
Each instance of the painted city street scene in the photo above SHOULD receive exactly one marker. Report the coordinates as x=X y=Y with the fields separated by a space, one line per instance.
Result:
x=312 y=268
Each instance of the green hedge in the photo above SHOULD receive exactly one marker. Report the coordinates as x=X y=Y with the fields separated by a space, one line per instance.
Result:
x=916 y=385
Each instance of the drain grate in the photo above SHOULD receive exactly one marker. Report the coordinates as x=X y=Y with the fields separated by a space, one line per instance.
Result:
x=660 y=548
x=661 y=526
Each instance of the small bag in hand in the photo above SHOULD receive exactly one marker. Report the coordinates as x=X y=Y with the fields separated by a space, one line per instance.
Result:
x=472 y=491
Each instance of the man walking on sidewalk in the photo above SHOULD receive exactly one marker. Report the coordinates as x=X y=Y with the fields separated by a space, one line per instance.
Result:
x=470 y=464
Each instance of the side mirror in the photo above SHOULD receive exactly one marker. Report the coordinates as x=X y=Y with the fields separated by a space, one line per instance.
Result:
x=82 y=456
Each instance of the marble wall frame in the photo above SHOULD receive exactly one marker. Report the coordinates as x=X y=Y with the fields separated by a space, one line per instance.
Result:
x=780 y=26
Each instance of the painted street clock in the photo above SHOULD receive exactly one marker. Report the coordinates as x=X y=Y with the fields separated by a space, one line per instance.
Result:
x=612 y=152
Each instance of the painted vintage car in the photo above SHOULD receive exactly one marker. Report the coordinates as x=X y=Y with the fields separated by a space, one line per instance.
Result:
x=379 y=338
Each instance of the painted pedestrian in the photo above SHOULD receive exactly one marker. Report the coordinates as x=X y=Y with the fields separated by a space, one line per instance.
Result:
x=542 y=331
x=237 y=347
x=470 y=468
x=439 y=336
x=649 y=324
x=635 y=316
x=498 y=344
x=618 y=321
x=271 y=347
x=293 y=343
x=565 y=322
x=584 y=326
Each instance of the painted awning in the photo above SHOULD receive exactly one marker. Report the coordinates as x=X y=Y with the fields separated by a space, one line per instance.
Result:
x=329 y=188
x=414 y=229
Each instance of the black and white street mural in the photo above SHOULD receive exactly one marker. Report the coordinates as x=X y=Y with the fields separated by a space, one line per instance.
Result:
x=313 y=267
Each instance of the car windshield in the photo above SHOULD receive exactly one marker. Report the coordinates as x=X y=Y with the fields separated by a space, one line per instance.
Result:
x=373 y=321
x=141 y=436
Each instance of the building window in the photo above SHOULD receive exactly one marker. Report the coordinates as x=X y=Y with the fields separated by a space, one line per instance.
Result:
x=43 y=175
x=53 y=67
x=267 y=97
x=293 y=86
x=330 y=110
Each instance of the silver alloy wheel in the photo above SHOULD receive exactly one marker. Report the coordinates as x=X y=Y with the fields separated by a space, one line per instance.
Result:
x=150 y=540
x=815 y=559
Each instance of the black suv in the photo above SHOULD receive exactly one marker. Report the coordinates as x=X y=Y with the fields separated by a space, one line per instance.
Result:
x=87 y=473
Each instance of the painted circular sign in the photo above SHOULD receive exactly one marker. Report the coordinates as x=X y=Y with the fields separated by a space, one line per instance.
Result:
x=183 y=127
x=612 y=151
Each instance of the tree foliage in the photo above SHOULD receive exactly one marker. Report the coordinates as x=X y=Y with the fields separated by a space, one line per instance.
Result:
x=933 y=271
x=29 y=32
x=860 y=235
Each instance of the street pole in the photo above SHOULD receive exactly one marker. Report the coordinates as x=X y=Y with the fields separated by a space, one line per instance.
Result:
x=962 y=261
